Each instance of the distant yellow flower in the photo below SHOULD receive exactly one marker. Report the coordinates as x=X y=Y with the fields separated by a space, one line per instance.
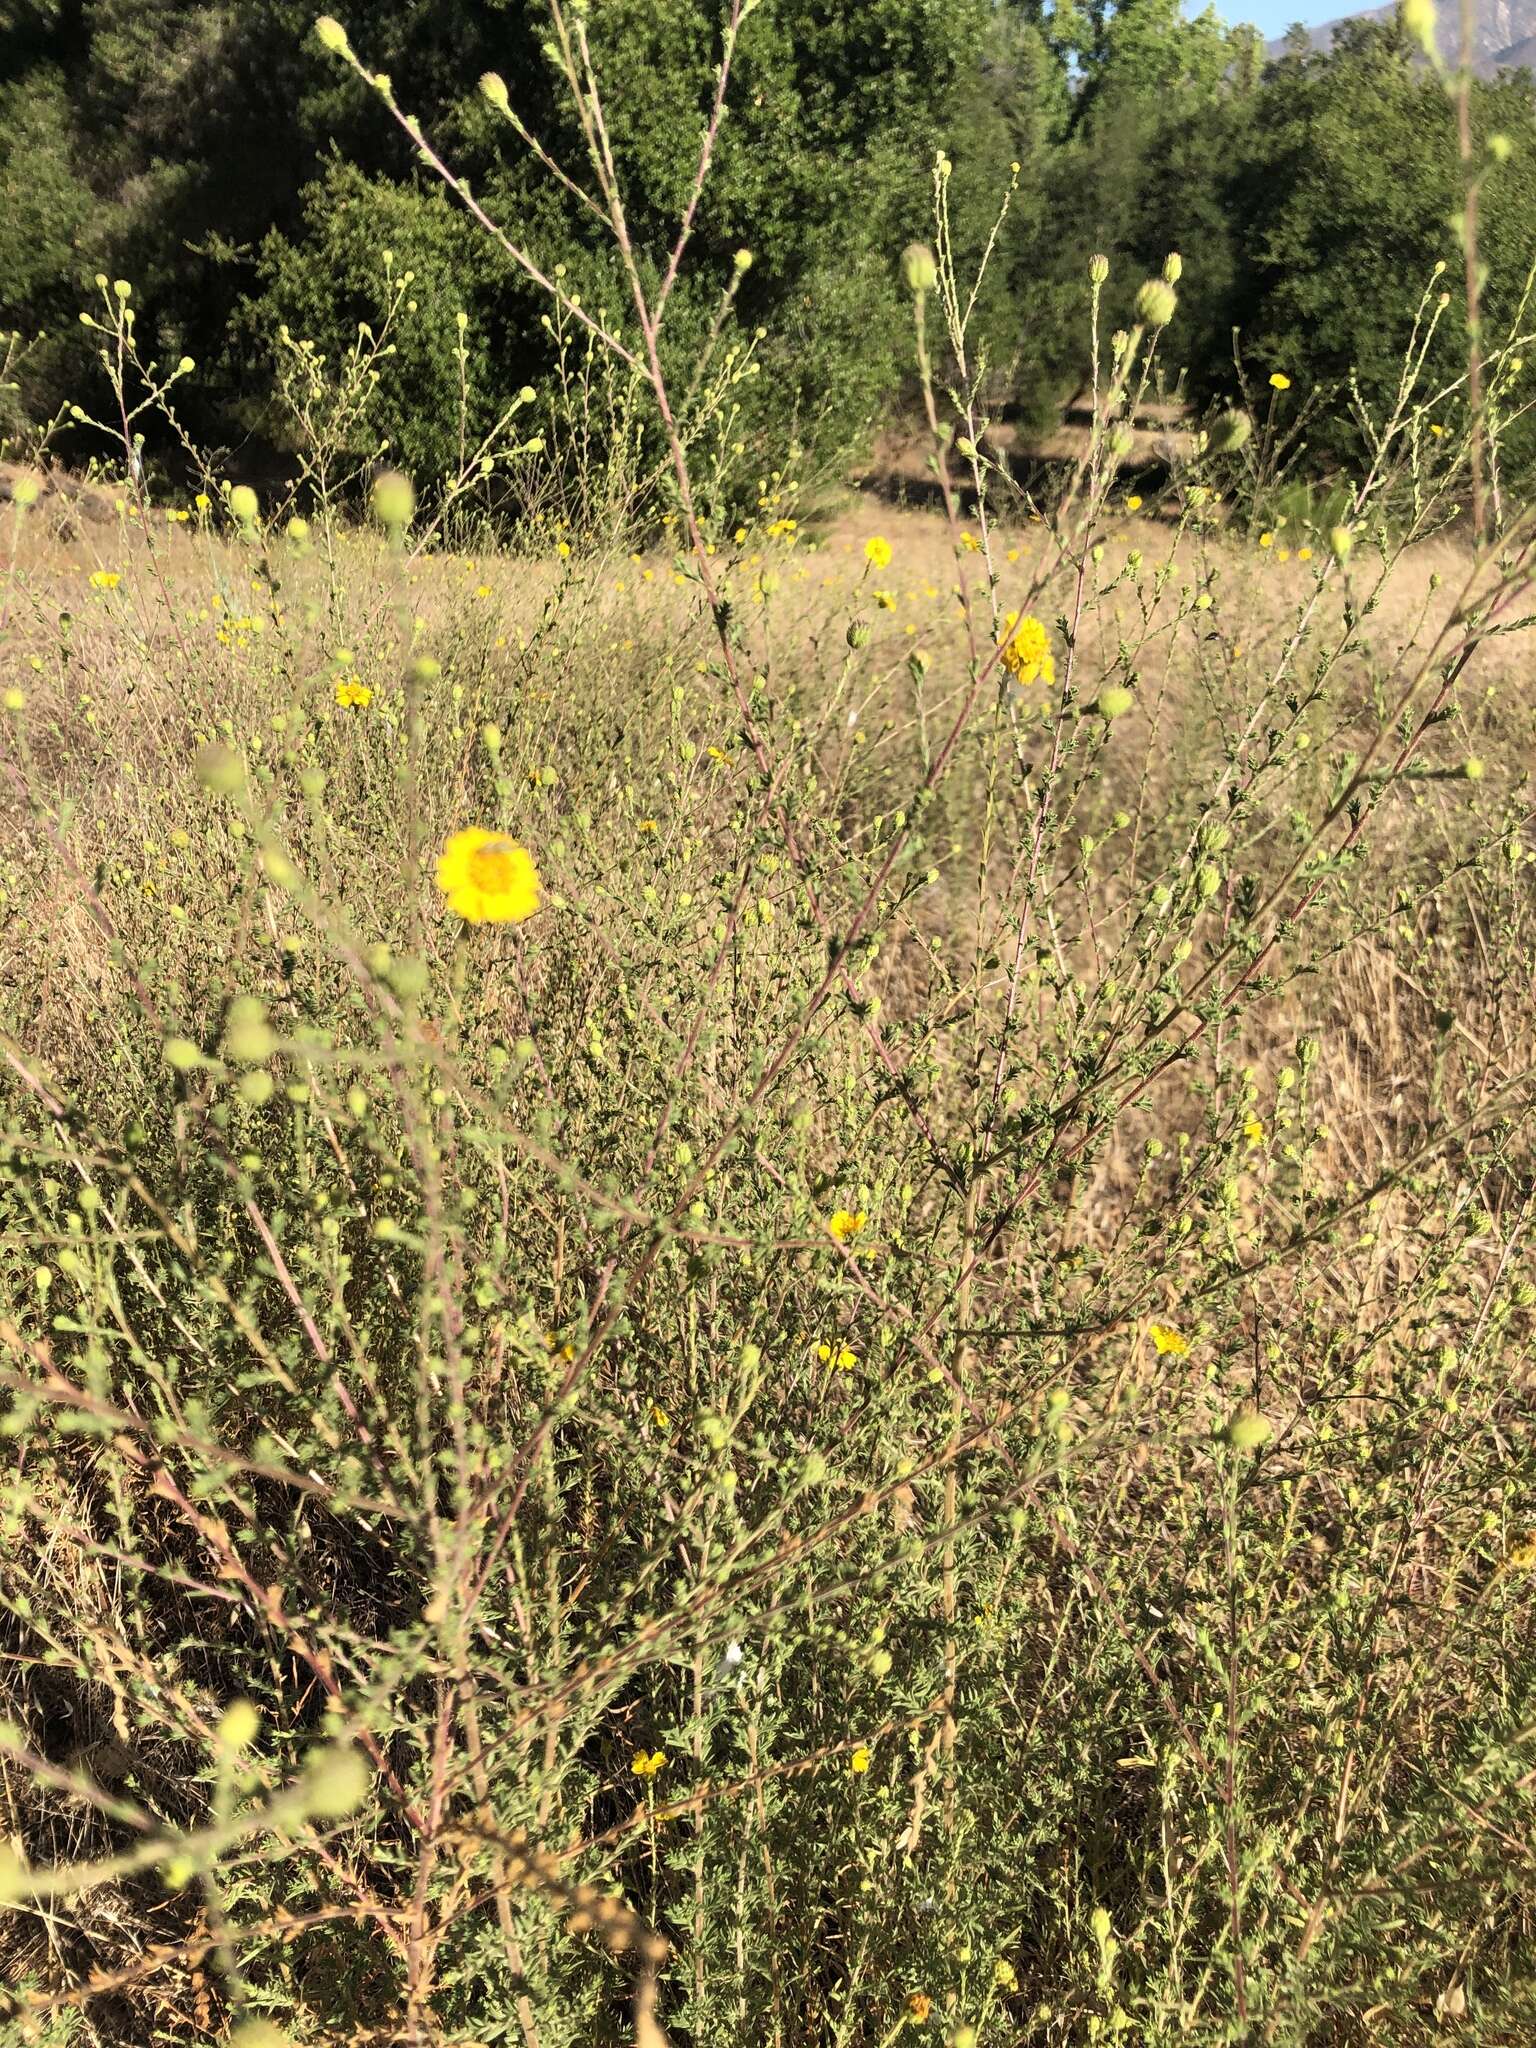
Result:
x=1266 y=540
x=970 y=543
x=886 y=599
x=860 y=1761
x=1027 y=650
x=1004 y=1975
x=842 y=1360
x=845 y=1224
x=1169 y=1340
x=1133 y=504
x=488 y=878
x=1253 y=1131
x=1279 y=381
x=878 y=551
x=646 y=825
x=646 y=1766
x=351 y=691
x=202 y=501
x=1437 y=431
x=659 y=1417
x=563 y=550
x=719 y=754
x=105 y=579
x=1522 y=1554
x=482 y=590
x=1303 y=554
x=919 y=2006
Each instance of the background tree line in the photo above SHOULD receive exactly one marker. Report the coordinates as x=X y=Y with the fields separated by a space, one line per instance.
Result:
x=243 y=182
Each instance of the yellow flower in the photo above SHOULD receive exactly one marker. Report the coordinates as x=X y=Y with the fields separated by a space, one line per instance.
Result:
x=202 y=501
x=1168 y=1339
x=886 y=599
x=1303 y=554
x=1253 y=1131
x=1133 y=504
x=564 y=550
x=105 y=579
x=846 y=1224
x=878 y=551
x=1027 y=651
x=919 y=2006
x=482 y=590
x=1266 y=540
x=1522 y=1555
x=1279 y=381
x=488 y=878
x=647 y=1766
x=1437 y=431
x=860 y=1761
x=970 y=543
x=350 y=691
x=842 y=1360
x=646 y=825
x=1004 y=1976
x=659 y=1416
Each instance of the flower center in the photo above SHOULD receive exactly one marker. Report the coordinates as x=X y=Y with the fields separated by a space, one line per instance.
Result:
x=491 y=867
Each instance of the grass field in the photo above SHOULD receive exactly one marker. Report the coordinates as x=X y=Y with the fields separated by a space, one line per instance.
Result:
x=905 y=1412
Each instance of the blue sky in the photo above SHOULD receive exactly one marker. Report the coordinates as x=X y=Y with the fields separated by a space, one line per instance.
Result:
x=1274 y=17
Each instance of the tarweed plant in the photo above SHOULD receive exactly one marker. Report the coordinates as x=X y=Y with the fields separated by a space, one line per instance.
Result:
x=774 y=1288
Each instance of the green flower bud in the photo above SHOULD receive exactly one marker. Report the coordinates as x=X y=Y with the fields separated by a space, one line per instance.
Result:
x=336 y=1782
x=1229 y=432
x=298 y=531
x=494 y=88
x=858 y=633
x=743 y=261
x=182 y=1054
x=259 y=2034
x=1098 y=269
x=248 y=1037
x=1473 y=768
x=219 y=771
x=1115 y=701
x=333 y=36
x=1419 y=21
x=256 y=1088
x=394 y=500
x=244 y=505
x=1248 y=1430
x=1156 y=303
x=25 y=491
x=919 y=267
x=240 y=1726
x=1173 y=267
x=1341 y=540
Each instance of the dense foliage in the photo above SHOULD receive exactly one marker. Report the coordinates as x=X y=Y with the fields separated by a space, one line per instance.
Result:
x=215 y=157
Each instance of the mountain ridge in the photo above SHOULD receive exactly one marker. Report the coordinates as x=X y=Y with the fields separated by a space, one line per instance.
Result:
x=1503 y=34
